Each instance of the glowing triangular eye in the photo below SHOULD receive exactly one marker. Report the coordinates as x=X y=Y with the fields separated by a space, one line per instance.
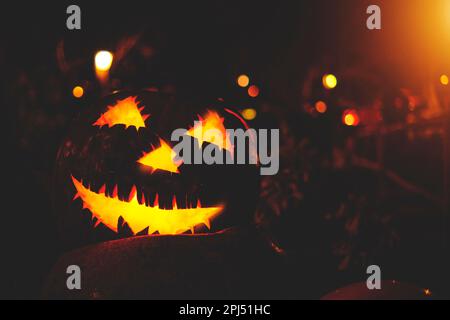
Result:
x=161 y=158
x=124 y=112
x=211 y=121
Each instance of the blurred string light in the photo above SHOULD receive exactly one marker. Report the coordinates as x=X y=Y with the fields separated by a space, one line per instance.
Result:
x=248 y=113
x=77 y=91
x=103 y=60
x=329 y=81
x=444 y=79
x=253 y=91
x=243 y=80
x=321 y=107
x=350 y=118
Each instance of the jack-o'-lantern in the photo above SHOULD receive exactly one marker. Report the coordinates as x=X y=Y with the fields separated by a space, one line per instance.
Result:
x=118 y=175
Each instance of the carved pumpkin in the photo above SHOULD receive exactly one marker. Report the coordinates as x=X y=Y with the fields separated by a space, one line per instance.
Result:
x=117 y=174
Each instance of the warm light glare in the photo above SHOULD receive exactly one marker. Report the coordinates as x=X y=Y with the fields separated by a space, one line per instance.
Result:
x=321 y=107
x=444 y=79
x=350 y=118
x=103 y=60
x=243 y=80
x=249 y=114
x=253 y=91
x=329 y=81
x=78 y=92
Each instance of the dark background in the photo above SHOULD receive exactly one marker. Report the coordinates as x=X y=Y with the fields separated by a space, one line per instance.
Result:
x=332 y=217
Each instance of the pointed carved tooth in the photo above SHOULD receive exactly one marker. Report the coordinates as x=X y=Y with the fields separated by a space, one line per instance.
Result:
x=199 y=205
x=192 y=230
x=132 y=195
x=140 y=109
x=85 y=205
x=145 y=117
x=115 y=191
x=207 y=224
x=156 y=202
x=102 y=189
x=76 y=196
x=97 y=223
x=142 y=198
x=174 y=203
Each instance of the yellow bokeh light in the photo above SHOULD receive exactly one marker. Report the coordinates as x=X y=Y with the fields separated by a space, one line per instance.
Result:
x=77 y=92
x=103 y=60
x=243 y=80
x=249 y=114
x=321 y=107
x=329 y=81
x=444 y=79
x=349 y=119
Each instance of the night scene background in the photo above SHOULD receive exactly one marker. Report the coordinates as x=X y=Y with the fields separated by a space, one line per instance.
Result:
x=364 y=165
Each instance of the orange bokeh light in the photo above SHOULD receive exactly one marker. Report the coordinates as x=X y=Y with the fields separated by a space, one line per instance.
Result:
x=243 y=80
x=321 y=107
x=253 y=91
x=78 y=92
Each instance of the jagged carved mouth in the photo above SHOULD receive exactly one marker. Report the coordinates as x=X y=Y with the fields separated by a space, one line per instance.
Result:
x=141 y=217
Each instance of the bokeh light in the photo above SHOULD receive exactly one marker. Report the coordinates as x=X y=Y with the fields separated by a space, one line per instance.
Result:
x=243 y=80
x=321 y=107
x=253 y=91
x=77 y=91
x=329 y=81
x=248 y=114
x=103 y=60
x=350 y=118
x=444 y=79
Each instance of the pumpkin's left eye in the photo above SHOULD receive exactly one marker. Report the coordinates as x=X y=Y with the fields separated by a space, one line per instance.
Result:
x=126 y=112
x=161 y=158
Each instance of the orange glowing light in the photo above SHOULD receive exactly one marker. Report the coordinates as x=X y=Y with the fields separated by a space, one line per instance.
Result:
x=243 y=80
x=329 y=81
x=103 y=60
x=444 y=79
x=350 y=118
x=162 y=158
x=321 y=107
x=249 y=113
x=210 y=129
x=253 y=91
x=427 y=292
x=78 y=92
x=139 y=217
x=124 y=112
